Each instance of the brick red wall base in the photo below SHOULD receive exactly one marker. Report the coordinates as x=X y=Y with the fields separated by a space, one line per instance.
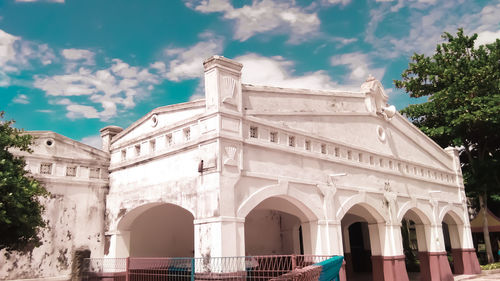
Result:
x=434 y=267
x=389 y=268
x=465 y=261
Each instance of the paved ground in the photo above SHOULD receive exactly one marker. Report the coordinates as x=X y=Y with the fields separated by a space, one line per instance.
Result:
x=485 y=276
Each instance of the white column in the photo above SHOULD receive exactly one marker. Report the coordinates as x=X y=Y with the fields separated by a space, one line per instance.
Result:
x=322 y=237
x=119 y=244
x=385 y=239
x=423 y=235
x=219 y=237
x=346 y=240
x=436 y=239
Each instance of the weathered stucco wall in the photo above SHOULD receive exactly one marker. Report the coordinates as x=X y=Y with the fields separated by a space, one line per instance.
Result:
x=74 y=211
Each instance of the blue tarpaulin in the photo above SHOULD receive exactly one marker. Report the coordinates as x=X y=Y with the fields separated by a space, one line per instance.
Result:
x=330 y=268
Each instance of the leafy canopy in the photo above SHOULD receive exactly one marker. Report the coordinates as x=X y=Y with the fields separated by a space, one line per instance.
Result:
x=20 y=208
x=462 y=86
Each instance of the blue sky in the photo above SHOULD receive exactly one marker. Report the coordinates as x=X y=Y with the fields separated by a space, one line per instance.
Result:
x=75 y=66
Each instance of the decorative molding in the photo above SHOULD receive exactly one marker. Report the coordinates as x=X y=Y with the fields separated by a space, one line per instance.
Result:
x=231 y=155
x=229 y=91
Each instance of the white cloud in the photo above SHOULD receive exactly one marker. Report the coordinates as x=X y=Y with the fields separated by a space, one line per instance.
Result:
x=17 y=54
x=94 y=141
x=359 y=65
x=79 y=55
x=487 y=37
x=427 y=21
x=335 y=2
x=78 y=111
x=21 y=98
x=187 y=63
x=263 y=16
x=276 y=71
x=45 y=110
x=112 y=88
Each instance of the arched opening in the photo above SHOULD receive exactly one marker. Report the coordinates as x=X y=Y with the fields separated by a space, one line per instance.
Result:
x=415 y=227
x=159 y=230
x=452 y=237
x=359 y=243
x=275 y=227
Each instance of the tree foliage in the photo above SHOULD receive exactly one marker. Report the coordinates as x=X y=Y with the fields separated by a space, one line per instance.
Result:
x=20 y=208
x=462 y=85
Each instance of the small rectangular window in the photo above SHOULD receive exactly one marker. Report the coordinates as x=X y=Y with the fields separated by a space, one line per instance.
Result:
x=337 y=152
x=371 y=160
x=137 y=148
x=273 y=137
x=187 y=134
x=168 y=140
x=360 y=157
x=390 y=165
x=254 y=131
x=152 y=145
x=71 y=171
x=94 y=173
x=291 y=141
x=381 y=162
x=323 y=148
x=399 y=166
x=46 y=168
x=307 y=145
x=349 y=155
x=124 y=154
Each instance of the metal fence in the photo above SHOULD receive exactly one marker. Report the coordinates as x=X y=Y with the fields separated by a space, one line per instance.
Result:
x=251 y=268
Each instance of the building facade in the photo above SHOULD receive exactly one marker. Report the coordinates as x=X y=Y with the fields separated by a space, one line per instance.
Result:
x=256 y=170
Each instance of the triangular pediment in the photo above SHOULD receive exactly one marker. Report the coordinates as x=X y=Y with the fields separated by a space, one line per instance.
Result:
x=158 y=119
x=345 y=118
x=49 y=144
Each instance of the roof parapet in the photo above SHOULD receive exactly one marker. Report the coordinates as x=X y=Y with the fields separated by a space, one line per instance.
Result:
x=107 y=133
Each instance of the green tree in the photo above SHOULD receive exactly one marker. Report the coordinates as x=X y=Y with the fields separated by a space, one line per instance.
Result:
x=462 y=86
x=20 y=208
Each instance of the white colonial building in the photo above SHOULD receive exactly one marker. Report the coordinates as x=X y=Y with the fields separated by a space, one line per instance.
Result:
x=256 y=170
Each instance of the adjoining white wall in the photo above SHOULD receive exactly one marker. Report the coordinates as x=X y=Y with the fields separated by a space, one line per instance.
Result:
x=162 y=231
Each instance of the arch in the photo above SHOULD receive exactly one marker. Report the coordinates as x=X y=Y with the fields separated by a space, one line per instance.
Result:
x=157 y=229
x=284 y=192
x=128 y=218
x=421 y=210
x=366 y=202
x=454 y=212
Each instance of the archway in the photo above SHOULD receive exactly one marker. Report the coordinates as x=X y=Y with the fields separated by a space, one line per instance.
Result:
x=451 y=225
x=275 y=227
x=415 y=232
x=359 y=242
x=159 y=230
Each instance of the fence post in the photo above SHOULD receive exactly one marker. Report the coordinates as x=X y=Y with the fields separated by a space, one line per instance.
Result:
x=127 y=269
x=294 y=262
x=192 y=269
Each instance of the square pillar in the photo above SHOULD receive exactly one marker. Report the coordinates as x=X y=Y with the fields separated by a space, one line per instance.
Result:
x=388 y=259
x=119 y=244
x=219 y=237
x=465 y=261
x=434 y=264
